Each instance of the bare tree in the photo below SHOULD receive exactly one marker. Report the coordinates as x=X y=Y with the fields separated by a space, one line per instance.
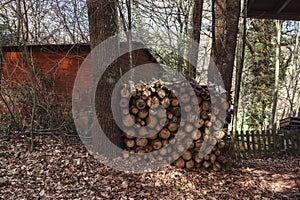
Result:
x=59 y=21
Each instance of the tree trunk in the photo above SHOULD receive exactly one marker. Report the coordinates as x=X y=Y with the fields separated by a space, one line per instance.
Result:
x=102 y=17
x=295 y=74
x=239 y=71
x=277 y=66
x=193 y=50
x=225 y=16
x=225 y=28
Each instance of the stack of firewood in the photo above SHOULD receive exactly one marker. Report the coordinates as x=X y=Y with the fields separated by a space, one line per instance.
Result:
x=153 y=117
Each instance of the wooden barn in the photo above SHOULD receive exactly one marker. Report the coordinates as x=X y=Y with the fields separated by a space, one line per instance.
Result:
x=61 y=62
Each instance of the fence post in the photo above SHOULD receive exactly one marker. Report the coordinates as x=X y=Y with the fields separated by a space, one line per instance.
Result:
x=248 y=144
x=265 y=144
x=253 y=143
x=258 y=136
x=243 y=143
x=270 y=149
x=237 y=144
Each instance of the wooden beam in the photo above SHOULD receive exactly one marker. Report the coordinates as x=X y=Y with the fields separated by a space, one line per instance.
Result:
x=271 y=15
x=281 y=6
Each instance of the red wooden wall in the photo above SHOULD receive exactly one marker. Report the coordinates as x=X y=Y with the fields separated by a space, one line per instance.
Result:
x=59 y=61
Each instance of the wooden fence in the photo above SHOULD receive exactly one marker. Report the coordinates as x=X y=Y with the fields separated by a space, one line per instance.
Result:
x=264 y=144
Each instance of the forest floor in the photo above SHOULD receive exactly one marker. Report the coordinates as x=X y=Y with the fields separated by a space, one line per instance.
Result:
x=56 y=170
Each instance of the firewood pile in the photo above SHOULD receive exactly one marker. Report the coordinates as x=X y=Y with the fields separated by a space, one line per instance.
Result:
x=156 y=114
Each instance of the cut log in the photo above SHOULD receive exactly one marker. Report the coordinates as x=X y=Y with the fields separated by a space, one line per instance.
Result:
x=217 y=152
x=146 y=94
x=185 y=98
x=165 y=142
x=217 y=166
x=140 y=104
x=156 y=144
x=172 y=126
x=196 y=134
x=125 y=111
x=161 y=93
x=187 y=108
x=205 y=106
x=125 y=154
x=165 y=102
x=187 y=155
x=124 y=103
x=222 y=159
x=148 y=149
x=206 y=164
x=164 y=133
x=163 y=151
x=128 y=120
x=179 y=163
x=196 y=158
x=125 y=93
x=129 y=143
x=207 y=157
x=188 y=128
x=174 y=102
x=207 y=123
x=212 y=158
x=141 y=142
x=180 y=148
x=151 y=122
x=134 y=110
x=190 y=164
x=143 y=113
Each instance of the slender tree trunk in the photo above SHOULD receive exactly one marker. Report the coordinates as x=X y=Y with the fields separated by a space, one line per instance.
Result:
x=277 y=66
x=239 y=71
x=294 y=73
x=194 y=49
x=180 y=48
x=102 y=17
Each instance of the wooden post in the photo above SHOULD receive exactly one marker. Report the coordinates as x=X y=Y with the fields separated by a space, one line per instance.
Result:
x=248 y=143
x=253 y=143
x=243 y=143
x=263 y=135
x=258 y=136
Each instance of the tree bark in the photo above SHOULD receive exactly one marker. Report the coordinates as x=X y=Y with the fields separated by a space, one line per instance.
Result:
x=194 y=48
x=102 y=17
x=225 y=28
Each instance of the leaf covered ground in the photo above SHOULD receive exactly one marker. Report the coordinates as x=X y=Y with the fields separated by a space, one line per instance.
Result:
x=56 y=170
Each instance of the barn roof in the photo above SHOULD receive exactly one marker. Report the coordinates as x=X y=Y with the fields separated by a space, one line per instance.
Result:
x=274 y=9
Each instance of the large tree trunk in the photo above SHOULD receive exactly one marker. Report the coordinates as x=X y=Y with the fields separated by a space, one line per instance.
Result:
x=193 y=49
x=225 y=28
x=102 y=16
x=224 y=32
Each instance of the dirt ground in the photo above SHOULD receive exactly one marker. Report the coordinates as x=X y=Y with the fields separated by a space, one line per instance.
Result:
x=56 y=170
